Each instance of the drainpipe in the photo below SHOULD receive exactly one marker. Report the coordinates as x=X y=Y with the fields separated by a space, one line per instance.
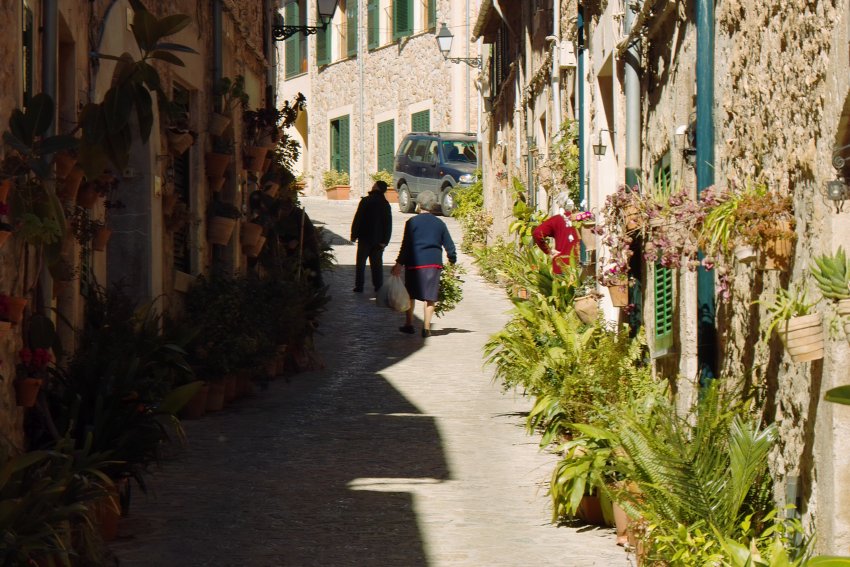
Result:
x=49 y=53
x=217 y=55
x=706 y=330
x=556 y=66
x=581 y=119
x=271 y=75
x=632 y=88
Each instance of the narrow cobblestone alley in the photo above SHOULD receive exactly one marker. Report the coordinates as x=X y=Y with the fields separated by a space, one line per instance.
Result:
x=401 y=452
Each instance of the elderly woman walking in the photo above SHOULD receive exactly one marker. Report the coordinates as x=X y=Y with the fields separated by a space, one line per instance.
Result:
x=421 y=254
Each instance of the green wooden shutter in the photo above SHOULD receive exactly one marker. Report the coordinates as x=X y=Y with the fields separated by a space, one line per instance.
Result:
x=344 y=155
x=663 y=309
x=335 y=144
x=323 y=46
x=373 y=34
x=420 y=121
x=402 y=18
x=386 y=145
x=432 y=15
x=292 y=45
x=351 y=9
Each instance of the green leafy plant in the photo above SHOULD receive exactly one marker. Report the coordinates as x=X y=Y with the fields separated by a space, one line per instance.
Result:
x=561 y=169
x=333 y=178
x=383 y=175
x=832 y=274
x=451 y=289
x=232 y=93
x=219 y=208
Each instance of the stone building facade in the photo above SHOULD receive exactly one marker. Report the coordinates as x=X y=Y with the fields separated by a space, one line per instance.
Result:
x=147 y=253
x=779 y=113
x=377 y=84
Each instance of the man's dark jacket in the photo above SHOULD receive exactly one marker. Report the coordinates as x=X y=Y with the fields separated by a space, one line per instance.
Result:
x=373 y=221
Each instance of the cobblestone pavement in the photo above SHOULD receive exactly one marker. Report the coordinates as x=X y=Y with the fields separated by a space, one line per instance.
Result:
x=401 y=452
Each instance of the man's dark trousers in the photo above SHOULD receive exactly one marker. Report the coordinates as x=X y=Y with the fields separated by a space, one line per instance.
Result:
x=375 y=254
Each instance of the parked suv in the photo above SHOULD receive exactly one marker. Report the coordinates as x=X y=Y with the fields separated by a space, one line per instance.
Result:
x=435 y=162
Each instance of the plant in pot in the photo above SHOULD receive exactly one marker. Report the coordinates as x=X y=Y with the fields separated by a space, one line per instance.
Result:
x=223 y=218
x=176 y=112
x=233 y=95
x=799 y=327
x=386 y=177
x=337 y=184
x=615 y=276
x=6 y=228
x=764 y=219
x=218 y=160
x=31 y=373
x=262 y=131
x=586 y=300
x=832 y=274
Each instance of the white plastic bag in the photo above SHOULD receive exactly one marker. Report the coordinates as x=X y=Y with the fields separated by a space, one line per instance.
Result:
x=397 y=296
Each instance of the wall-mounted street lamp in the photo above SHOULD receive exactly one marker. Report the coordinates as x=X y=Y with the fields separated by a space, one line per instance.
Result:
x=325 y=9
x=837 y=190
x=444 y=42
x=688 y=132
x=600 y=147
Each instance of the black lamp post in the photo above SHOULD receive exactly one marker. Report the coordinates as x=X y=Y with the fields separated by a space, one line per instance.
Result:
x=444 y=42
x=325 y=9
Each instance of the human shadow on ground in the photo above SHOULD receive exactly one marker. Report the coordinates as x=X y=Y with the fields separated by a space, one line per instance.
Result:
x=447 y=330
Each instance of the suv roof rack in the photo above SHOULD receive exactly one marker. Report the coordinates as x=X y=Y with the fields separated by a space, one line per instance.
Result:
x=440 y=133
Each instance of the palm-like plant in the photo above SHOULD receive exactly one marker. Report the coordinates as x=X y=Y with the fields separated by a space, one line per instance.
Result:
x=703 y=469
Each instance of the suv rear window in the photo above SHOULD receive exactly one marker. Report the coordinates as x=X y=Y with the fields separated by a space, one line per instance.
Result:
x=459 y=151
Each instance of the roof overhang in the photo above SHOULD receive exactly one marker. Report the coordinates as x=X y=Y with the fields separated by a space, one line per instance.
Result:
x=487 y=23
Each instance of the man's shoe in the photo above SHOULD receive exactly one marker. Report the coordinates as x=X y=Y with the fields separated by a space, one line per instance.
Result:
x=426 y=332
x=407 y=329
x=357 y=290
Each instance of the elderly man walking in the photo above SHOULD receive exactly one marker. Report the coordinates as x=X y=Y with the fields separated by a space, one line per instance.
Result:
x=371 y=230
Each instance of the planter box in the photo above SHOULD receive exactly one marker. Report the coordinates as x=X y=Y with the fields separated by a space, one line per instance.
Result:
x=339 y=192
x=391 y=195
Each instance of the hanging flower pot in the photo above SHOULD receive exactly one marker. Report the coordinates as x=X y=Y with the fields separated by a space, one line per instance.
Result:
x=254 y=251
x=254 y=157
x=5 y=328
x=631 y=217
x=586 y=308
x=179 y=142
x=267 y=163
x=745 y=254
x=26 y=391
x=777 y=251
x=216 y=183
x=218 y=124
x=619 y=295
x=271 y=189
x=14 y=307
x=87 y=196
x=220 y=230
x=250 y=234
x=803 y=337
x=588 y=237
x=215 y=396
x=69 y=188
x=5 y=187
x=217 y=164
x=101 y=238
x=5 y=233
x=65 y=162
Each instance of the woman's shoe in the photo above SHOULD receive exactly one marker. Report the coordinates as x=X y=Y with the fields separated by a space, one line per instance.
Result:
x=407 y=329
x=426 y=332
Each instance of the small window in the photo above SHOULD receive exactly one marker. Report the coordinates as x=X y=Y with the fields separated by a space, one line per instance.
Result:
x=295 y=47
x=340 y=154
x=402 y=18
x=386 y=143
x=420 y=121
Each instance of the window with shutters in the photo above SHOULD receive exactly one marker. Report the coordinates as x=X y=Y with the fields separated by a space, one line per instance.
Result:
x=431 y=14
x=500 y=61
x=663 y=282
x=351 y=9
x=373 y=24
x=420 y=121
x=340 y=152
x=402 y=18
x=295 y=47
x=386 y=145
x=182 y=189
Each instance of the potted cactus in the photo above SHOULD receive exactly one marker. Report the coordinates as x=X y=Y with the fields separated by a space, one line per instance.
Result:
x=832 y=274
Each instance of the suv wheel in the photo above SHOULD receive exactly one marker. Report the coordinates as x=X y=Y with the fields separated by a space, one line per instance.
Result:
x=448 y=203
x=405 y=203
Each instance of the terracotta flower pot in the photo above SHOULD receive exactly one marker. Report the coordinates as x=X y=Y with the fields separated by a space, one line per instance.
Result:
x=254 y=158
x=64 y=163
x=803 y=337
x=619 y=295
x=588 y=237
x=216 y=184
x=590 y=510
x=197 y=406
x=108 y=515
x=844 y=312
x=254 y=251
x=778 y=251
x=218 y=124
x=215 y=396
x=217 y=164
x=15 y=309
x=4 y=236
x=179 y=142
x=250 y=233
x=267 y=163
x=220 y=230
x=339 y=192
x=71 y=185
x=621 y=524
x=5 y=328
x=5 y=187
x=271 y=188
x=26 y=391
x=391 y=195
x=586 y=308
x=631 y=217
x=101 y=238
x=183 y=281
